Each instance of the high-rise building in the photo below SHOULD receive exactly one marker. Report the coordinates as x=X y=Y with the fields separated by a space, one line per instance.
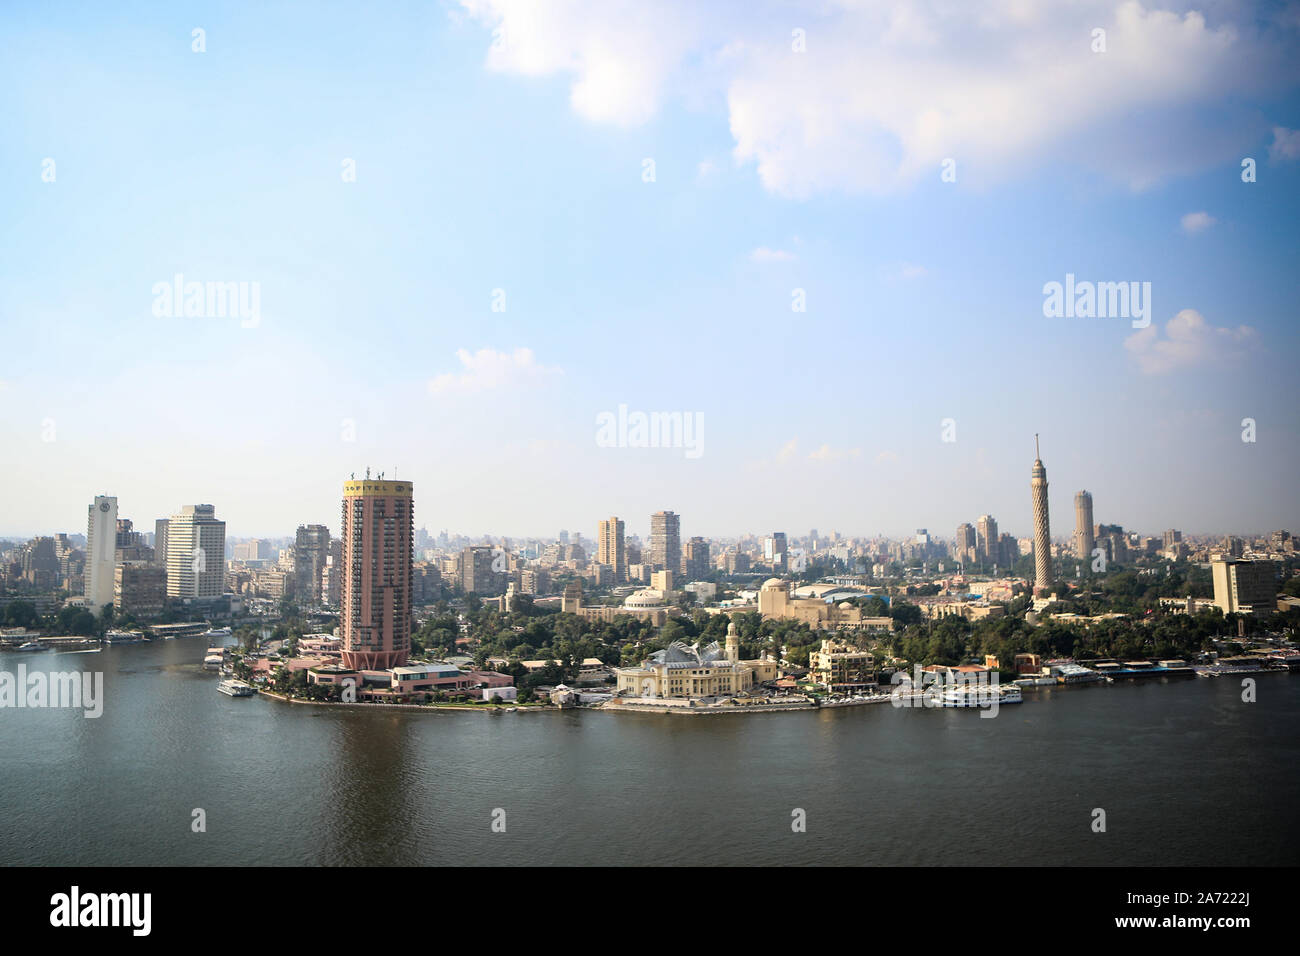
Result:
x=1008 y=550
x=1171 y=538
x=776 y=552
x=1084 y=539
x=665 y=541
x=311 y=549
x=378 y=543
x=196 y=553
x=1042 y=527
x=101 y=550
x=160 y=543
x=695 y=563
x=477 y=572
x=139 y=589
x=986 y=539
x=963 y=548
x=610 y=548
x=1244 y=586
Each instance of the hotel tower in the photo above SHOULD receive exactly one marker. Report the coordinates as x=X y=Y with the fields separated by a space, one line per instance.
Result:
x=610 y=547
x=101 y=551
x=1084 y=539
x=1042 y=531
x=378 y=535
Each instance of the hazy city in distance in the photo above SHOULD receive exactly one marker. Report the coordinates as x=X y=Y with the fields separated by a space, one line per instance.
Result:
x=651 y=433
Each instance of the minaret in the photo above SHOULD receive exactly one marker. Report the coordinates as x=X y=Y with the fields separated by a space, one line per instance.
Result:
x=1042 y=532
x=733 y=643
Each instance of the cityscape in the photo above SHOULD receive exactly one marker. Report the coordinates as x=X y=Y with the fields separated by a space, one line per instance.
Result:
x=381 y=612
x=600 y=434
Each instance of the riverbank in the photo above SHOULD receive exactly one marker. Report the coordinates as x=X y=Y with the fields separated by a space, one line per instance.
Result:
x=457 y=708
x=690 y=709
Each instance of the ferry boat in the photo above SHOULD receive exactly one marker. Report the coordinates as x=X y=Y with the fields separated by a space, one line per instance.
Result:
x=33 y=646
x=216 y=632
x=1075 y=674
x=236 y=688
x=214 y=658
x=980 y=695
x=123 y=637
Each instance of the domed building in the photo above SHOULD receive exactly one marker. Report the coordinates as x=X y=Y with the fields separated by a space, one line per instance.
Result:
x=775 y=602
x=688 y=670
x=644 y=598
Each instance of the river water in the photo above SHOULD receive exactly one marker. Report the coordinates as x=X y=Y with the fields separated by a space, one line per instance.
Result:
x=1185 y=772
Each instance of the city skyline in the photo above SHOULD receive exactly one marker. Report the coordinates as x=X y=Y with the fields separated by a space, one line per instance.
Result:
x=519 y=278
x=646 y=537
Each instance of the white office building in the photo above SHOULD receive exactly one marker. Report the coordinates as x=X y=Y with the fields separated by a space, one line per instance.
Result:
x=101 y=551
x=196 y=553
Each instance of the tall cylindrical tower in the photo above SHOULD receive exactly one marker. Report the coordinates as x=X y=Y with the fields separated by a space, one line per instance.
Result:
x=1042 y=530
x=1084 y=539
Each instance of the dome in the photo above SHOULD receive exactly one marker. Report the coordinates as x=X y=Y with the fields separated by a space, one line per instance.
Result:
x=774 y=583
x=646 y=597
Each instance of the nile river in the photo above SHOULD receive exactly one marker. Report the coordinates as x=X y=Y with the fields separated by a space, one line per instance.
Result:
x=1185 y=771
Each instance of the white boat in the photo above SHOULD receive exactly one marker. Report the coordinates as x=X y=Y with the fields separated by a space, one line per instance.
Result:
x=236 y=688
x=123 y=637
x=980 y=695
x=32 y=646
x=216 y=632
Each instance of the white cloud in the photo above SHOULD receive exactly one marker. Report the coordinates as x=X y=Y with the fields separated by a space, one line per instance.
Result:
x=619 y=53
x=887 y=91
x=1195 y=222
x=887 y=457
x=1285 y=145
x=1188 y=341
x=830 y=453
x=488 y=369
x=764 y=254
x=788 y=450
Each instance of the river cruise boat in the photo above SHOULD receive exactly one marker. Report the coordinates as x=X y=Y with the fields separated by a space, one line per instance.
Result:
x=980 y=695
x=236 y=688
x=123 y=637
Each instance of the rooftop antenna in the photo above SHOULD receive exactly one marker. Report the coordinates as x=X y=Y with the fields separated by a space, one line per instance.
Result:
x=1036 y=454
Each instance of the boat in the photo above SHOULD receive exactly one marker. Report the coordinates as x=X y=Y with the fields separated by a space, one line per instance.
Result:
x=1070 y=673
x=216 y=632
x=980 y=695
x=32 y=646
x=236 y=688
x=123 y=637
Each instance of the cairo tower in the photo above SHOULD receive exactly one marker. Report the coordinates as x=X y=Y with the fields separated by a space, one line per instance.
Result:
x=1042 y=530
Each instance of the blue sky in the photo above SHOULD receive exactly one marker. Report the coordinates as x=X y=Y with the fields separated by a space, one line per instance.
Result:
x=500 y=145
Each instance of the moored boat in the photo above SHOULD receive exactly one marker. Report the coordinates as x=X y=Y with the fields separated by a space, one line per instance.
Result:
x=236 y=688
x=980 y=695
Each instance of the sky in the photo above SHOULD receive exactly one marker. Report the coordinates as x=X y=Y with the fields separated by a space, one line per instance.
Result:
x=820 y=231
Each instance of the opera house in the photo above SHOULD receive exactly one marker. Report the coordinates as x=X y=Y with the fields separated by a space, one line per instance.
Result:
x=688 y=670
